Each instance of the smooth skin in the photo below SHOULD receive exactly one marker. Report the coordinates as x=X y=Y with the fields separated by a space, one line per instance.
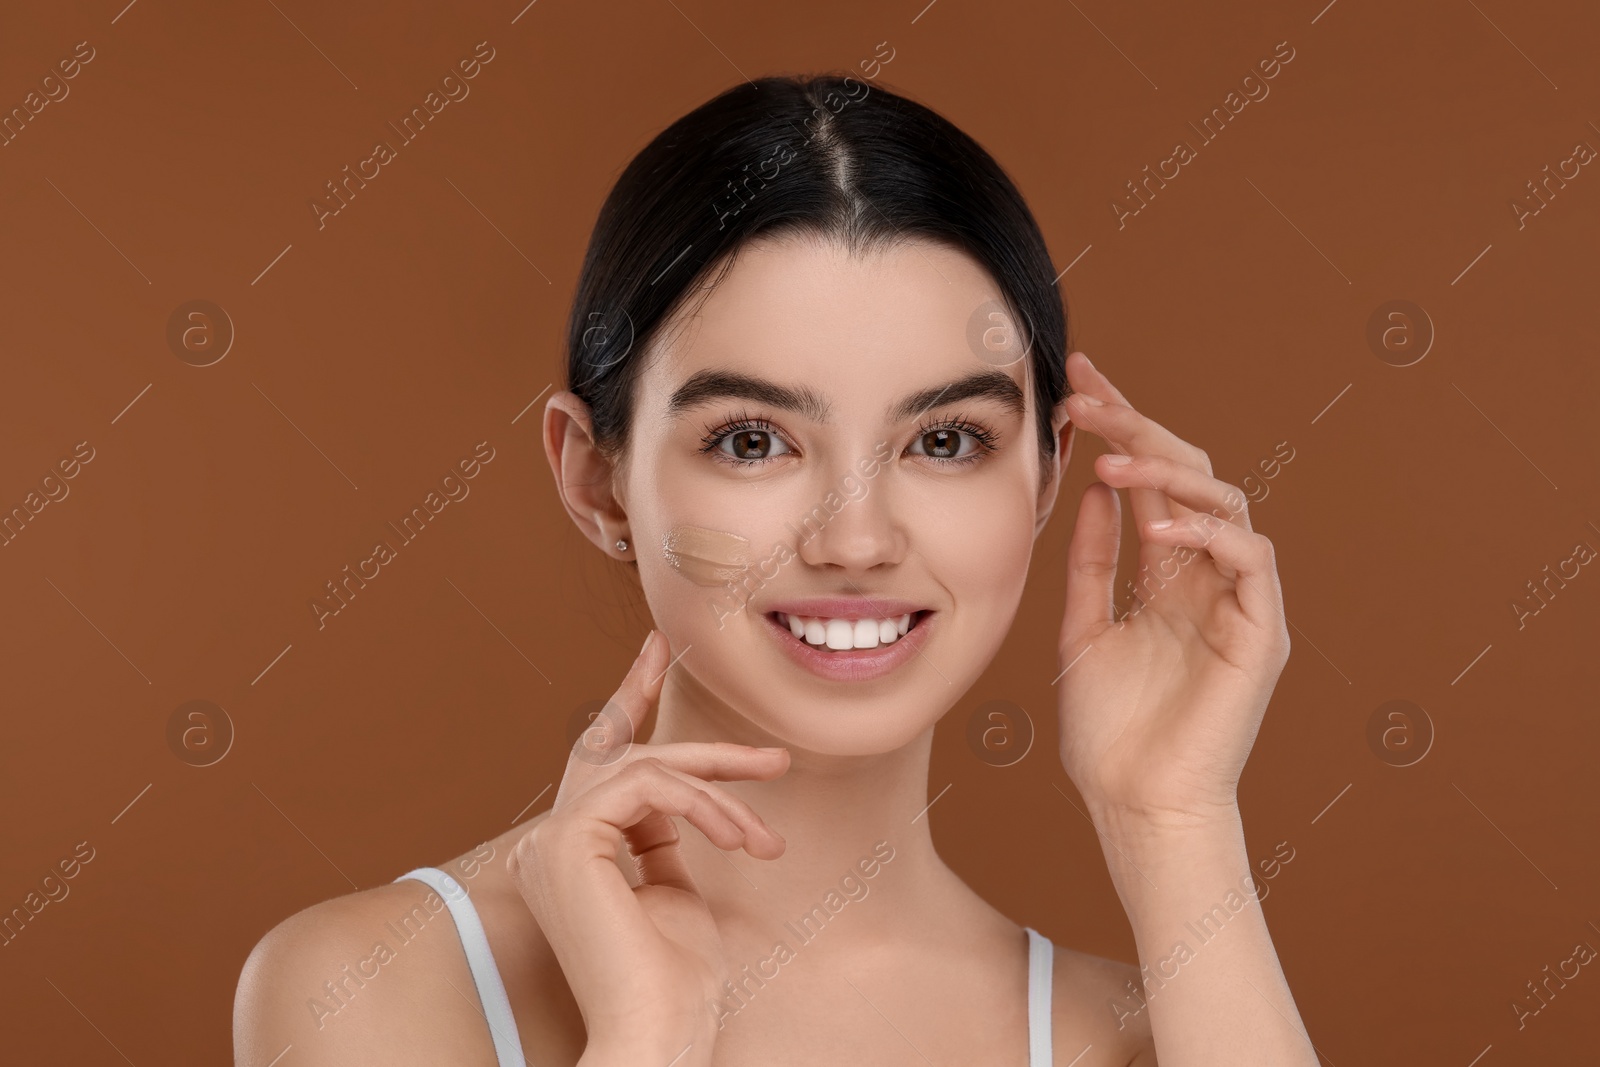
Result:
x=614 y=928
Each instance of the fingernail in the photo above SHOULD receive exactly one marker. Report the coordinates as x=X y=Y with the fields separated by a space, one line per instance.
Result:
x=646 y=644
x=1092 y=401
x=1117 y=459
x=1160 y=524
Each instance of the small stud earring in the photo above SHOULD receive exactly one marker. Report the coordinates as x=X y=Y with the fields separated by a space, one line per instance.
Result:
x=622 y=546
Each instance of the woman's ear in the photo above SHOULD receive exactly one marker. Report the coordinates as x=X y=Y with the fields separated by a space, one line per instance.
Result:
x=1061 y=428
x=584 y=477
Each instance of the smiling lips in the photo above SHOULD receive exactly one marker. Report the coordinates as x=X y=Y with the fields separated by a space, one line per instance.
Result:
x=861 y=631
x=846 y=634
x=851 y=664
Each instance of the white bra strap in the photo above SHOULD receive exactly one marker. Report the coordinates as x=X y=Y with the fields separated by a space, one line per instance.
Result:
x=485 y=974
x=1041 y=957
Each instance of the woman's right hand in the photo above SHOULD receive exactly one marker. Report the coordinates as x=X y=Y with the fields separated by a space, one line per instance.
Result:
x=645 y=963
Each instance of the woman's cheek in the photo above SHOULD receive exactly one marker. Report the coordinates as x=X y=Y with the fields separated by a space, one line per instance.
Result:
x=712 y=566
x=706 y=556
x=978 y=549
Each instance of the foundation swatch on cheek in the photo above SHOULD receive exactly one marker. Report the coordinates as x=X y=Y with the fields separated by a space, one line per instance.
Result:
x=705 y=556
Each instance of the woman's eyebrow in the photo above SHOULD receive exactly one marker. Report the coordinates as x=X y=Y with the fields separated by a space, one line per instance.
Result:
x=704 y=386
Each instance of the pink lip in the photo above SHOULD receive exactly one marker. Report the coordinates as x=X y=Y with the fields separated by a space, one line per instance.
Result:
x=860 y=665
x=847 y=607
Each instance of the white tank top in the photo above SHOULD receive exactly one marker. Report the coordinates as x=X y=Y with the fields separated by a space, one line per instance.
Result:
x=503 y=1026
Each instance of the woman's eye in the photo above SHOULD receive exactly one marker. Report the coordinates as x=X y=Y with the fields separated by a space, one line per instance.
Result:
x=946 y=443
x=751 y=445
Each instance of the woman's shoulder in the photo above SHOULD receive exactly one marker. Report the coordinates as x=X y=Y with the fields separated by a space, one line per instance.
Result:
x=1094 y=999
x=341 y=981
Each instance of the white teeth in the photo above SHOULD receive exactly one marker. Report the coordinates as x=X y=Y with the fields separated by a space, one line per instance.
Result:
x=843 y=634
x=866 y=633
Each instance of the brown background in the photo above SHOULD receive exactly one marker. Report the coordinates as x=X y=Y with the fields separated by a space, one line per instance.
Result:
x=376 y=351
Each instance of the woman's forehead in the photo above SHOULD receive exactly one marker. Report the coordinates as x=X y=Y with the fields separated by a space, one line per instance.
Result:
x=809 y=310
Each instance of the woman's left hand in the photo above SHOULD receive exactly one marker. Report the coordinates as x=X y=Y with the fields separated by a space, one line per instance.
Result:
x=1159 y=709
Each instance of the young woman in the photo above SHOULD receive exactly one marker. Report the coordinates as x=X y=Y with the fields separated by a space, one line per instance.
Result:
x=819 y=394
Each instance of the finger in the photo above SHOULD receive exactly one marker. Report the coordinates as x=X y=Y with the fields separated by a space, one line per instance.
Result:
x=657 y=856
x=641 y=688
x=736 y=808
x=1128 y=432
x=725 y=819
x=616 y=724
x=1093 y=378
x=636 y=805
x=699 y=762
x=1100 y=407
x=565 y=868
x=1092 y=566
x=1247 y=558
x=655 y=845
x=716 y=761
x=1182 y=483
x=1108 y=421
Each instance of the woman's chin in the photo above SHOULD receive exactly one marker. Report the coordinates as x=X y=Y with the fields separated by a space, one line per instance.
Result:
x=810 y=729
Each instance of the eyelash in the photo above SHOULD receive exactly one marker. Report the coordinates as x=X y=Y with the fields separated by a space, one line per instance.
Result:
x=988 y=440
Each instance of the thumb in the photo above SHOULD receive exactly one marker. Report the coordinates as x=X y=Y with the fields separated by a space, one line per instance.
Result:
x=1092 y=566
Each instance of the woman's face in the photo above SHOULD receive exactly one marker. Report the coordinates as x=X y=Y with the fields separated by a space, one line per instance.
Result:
x=829 y=426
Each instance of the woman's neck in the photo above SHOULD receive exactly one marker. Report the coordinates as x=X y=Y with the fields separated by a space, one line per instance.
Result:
x=857 y=836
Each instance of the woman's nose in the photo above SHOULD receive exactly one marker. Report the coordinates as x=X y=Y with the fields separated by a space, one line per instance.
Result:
x=852 y=524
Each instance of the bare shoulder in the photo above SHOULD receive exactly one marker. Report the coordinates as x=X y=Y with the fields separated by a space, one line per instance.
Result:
x=362 y=978
x=1099 y=1001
